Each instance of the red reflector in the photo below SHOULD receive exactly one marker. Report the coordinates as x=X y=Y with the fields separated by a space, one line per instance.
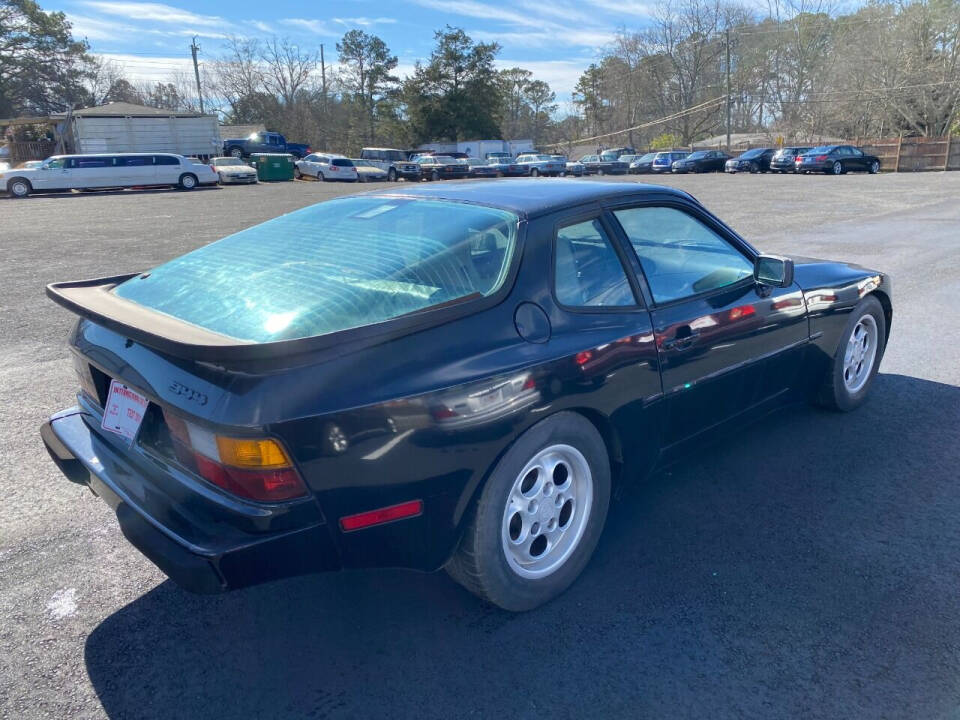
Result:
x=582 y=358
x=383 y=515
x=820 y=158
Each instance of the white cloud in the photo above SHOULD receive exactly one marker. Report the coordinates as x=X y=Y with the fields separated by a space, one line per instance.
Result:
x=472 y=8
x=261 y=26
x=157 y=12
x=97 y=29
x=561 y=75
x=625 y=7
x=317 y=27
x=365 y=21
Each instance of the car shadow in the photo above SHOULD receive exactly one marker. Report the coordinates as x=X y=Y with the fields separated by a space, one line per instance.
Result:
x=800 y=566
x=109 y=191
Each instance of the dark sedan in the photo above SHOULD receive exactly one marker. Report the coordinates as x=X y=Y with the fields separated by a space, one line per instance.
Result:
x=442 y=167
x=701 y=161
x=837 y=160
x=756 y=160
x=451 y=376
x=643 y=164
x=481 y=168
x=596 y=165
x=784 y=159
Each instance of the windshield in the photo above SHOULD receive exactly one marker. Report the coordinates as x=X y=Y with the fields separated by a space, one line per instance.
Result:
x=337 y=265
x=444 y=159
x=821 y=149
x=342 y=162
x=697 y=155
x=221 y=161
x=646 y=158
x=753 y=153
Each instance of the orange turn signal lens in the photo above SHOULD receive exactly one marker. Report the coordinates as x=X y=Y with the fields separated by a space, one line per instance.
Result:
x=251 y=453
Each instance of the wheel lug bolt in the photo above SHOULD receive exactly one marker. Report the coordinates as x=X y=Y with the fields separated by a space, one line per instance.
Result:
x=535 y=529
x=547 y=489
x=532 y=507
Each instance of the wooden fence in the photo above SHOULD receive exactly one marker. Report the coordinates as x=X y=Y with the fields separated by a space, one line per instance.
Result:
x=21 y=151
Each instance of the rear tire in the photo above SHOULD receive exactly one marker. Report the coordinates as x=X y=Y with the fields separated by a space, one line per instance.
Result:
x=19 y=187
x=534 y=173
x=552 y=485
x=874 y=167
x=435 y=175
x=857 y=359
x=236 y=152
x=837 y=168
x=297 y=175
x=188 y=181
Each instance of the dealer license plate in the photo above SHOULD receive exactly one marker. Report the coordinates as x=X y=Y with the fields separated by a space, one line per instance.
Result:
x=124 y=410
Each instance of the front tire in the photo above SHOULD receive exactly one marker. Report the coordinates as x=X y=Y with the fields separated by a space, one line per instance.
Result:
x=534 y=173
x=391 y=175
x=857 y=359
x=539 y=516
x=297 y=175
x=188 y=181
x=435 y=175
x=19 y=187
x=236 y=152
x=874 y=167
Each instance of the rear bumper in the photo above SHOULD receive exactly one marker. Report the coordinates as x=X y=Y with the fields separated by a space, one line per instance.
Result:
x=188 y=540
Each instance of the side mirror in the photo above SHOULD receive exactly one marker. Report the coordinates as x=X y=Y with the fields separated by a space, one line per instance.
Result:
x=773 y=271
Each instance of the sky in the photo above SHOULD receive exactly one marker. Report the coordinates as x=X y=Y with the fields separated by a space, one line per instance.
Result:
x=554 y=39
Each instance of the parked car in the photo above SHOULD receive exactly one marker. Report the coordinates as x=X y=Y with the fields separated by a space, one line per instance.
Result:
x=368 y=173
x=480 y=168
x=393 y=161
x=325 y=166
x=264 y=142
x=701 y=161
x=664 y=161
x=442 y=167
x=498 y=156
x=108 y=170
x=506 y=385
x=541 y=165
x=642 y=164
x=233 y=170
x=837 y=160
x=617 y=153
x=784 y=159
x=756 y=160
x=508 y=167
x=571 y=167
x=595 y=165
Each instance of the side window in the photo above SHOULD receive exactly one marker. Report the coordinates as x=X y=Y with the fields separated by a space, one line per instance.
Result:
x=136 y=160
x=680 y=255
x=56 y=164
x=587 y=271
x=94 y=161
x=165 y=160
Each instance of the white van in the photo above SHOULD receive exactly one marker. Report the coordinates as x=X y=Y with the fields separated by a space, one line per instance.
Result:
x=108 y=170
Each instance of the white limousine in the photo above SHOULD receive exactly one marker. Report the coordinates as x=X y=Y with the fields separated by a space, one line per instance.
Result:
x=108 y=170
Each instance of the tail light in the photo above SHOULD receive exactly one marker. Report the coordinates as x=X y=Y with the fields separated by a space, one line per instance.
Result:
x=334 y=168
x=212 y=167
x=253 y=468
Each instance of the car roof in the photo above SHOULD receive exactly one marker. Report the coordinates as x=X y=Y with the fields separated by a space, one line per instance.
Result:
x=532 y=197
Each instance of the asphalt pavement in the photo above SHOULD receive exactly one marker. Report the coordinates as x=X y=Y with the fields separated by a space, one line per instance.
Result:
x=805 y=566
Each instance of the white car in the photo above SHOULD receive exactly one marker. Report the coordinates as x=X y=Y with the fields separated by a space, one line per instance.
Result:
x=233 y=170
x=108 y=170
x=325 y=166
x=367 y=172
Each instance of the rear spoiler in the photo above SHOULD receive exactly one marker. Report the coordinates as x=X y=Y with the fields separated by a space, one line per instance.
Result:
x=94 y=301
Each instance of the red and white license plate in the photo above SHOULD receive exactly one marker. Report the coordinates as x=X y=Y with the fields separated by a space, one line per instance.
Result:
x=124 y=410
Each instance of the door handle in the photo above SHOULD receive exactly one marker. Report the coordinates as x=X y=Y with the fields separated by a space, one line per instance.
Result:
x=684 y=342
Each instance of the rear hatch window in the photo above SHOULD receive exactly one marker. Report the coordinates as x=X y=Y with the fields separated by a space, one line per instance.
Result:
x=337 y=265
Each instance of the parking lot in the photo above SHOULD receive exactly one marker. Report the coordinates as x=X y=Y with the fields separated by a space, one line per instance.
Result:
x=806 y=567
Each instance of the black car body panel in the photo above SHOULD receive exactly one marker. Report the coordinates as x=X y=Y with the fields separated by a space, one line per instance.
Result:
x=829 y=158
x=784 y=160
x=756 y=160
x=423 y=411
x=701 y=161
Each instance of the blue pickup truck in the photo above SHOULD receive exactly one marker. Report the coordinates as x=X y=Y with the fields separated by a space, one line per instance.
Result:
x=264 y=142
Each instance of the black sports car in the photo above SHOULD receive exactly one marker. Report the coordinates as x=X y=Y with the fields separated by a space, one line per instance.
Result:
x=756 y=160
x=448 y=376
x=701 y=161
x=837 y=160
x=597 y=165
x=784 y=160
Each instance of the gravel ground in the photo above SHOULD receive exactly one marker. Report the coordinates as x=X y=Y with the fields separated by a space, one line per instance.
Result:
x=805 y=568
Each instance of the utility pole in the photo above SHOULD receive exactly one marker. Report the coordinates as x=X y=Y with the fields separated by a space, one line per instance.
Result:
x=323 y=104
x=728 y=89
x=196 y=71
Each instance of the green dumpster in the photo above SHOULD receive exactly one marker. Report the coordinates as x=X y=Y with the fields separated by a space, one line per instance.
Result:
x=273 y=166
